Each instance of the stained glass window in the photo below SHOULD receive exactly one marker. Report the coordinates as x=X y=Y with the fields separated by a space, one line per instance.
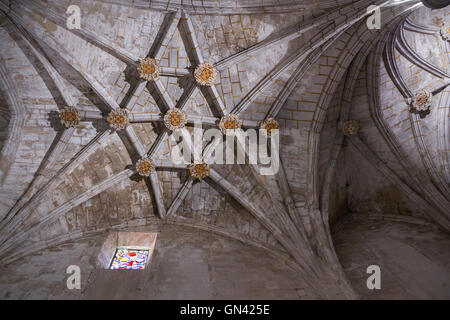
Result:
x=130 y=259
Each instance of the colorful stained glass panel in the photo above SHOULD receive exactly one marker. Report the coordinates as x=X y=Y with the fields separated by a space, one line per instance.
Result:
x=130 y=259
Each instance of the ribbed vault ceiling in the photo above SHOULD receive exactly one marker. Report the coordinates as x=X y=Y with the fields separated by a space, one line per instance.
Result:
x=310 y=66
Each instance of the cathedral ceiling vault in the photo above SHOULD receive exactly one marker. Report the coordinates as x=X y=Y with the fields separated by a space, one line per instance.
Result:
x=112 y=93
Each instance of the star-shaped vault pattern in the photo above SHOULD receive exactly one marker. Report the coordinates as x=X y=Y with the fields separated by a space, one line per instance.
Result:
x=301 y=77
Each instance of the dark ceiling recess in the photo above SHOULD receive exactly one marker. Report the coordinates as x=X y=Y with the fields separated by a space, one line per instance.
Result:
x=436 y=4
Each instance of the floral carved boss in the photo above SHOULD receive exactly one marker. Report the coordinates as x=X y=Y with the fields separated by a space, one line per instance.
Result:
x=70 y=117
x=351 y=127
x=199 y=170
x=149 y=69
x=145 y=167
x=229 y=124
x=175 y=119
x=422 y=100
x=118 y=119
x=205 y=74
